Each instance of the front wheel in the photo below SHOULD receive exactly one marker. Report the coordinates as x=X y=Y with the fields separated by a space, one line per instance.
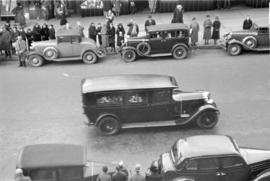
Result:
x=89 y=57
x=234 y=49
x=207 y=120
x=35 y=60
x=129 y=56
x=109 y=126
x=180 y=53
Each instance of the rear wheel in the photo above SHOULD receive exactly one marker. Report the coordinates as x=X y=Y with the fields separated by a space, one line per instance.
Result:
x=109 y=125
x=207 y=120
x=234 y=49
x=180 y=52
x=89 y=57
x=35 y=60
x=129 y=56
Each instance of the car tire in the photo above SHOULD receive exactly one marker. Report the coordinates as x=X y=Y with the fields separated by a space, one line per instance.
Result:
x=250 y=42
x=143 y=48
x=180 y=52
x=109 y=126
x=89 y=57
x=207 y=120
x=129 y=55
x=50 y=53
x=35 y=60
x=234 y=49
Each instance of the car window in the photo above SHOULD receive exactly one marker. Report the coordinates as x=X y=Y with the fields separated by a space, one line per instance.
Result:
x=231 y=162
x=192 y=165
x=109 y=99
x=136 y=98
x=70 y=173
x=155 y=35
x=208 y=164
x=64 y=39
x=44 y=175
x=75 y=39
x=264 y=30
x=161 y=96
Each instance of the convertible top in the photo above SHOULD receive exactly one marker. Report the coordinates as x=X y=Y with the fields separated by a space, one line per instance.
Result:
x=167 y=27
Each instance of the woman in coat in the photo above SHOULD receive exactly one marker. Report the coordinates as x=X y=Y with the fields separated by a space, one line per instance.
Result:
x=120 y=32
x=92 y=32
x=51 y=32
x=98 y=32
x=117 y=7
x=111 y=34
x=19 y=14
x=104 y=36
x=178 y=14
x=44 y=32
x=194 y=35
x=36 y=32
x=207 y=24
x=216 y=30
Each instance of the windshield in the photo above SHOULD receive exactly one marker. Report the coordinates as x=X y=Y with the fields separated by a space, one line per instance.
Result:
x=176 y=152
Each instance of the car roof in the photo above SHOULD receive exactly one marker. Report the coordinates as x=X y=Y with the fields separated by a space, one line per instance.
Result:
x=127 y=82
x=208 y=145
x=51 y=155
x=68 y=32
x=167 y=27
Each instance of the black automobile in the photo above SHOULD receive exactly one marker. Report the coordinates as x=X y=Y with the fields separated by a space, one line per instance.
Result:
x=255 y=39
x=161 y=40
x=132 y=101
x=213 y=158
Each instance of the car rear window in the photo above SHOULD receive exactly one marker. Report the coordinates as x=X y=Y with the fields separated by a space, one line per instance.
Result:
x=44 y=175
x=64 y=39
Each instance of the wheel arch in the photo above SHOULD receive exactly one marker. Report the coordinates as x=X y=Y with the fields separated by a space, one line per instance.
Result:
x=180 y=44
x=88 y=50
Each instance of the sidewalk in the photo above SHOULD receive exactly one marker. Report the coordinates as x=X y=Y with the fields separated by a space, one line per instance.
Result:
x=231 y=19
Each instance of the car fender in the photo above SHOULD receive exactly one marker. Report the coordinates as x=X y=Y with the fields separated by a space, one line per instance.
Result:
x=105 y=115
x=184 y=179
x=88 y=49
x=128 y=48
x=34 y=53
x=232 y=41
x=180 y=44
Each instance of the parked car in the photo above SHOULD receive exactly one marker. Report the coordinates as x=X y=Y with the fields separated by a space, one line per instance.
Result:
x=68 y=46
x=254 y=39
x=161 y=40
x=132 y=101
x=58 y=162
x=212 y=158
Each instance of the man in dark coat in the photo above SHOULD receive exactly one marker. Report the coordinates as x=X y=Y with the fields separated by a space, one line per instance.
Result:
x=178 y=14
x=149 y=22
x=19 y=14
x=247 y=23
x=119 y=175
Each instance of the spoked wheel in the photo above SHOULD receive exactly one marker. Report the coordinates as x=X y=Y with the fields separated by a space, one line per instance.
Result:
x=89 y=57
x=234 y=49
x=35 y=60
x=109 y=126
x=129 y=56
x=180 y=52
x=250 y=42
x=207 y=120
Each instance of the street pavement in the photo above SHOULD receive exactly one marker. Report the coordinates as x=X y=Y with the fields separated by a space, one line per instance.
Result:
x=43 y=105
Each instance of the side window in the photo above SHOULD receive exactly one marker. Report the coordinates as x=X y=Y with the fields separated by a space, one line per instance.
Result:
x=161 y=96
x=209 y=164
x=75 y=39
x=192 y=165
x=64 y=39
x=232 y=162
x=136 y=98
x=109 y=99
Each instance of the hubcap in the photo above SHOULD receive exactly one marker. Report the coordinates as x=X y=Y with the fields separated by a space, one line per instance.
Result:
x=49 y=53
x=108 y=126
x=35 y=60
x=207 y=120
x=179 y=53
x=234 y=49
x=129 y=55
x=89 y=57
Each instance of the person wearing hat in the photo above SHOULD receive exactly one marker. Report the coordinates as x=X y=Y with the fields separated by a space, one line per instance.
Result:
x=149 y=22
x=20 y=177
x=153 y=175
x=178 y=14
x=119 y=175
x=137 y=176
x=122 y=168
x=104 y=176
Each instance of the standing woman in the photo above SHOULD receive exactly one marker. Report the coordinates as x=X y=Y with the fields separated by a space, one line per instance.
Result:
x=98 y=31
x=36 y=32
x=44 y=32
x=104 y=37
x=194 y=28
x=216 y=30
x=117 y=7
x=111 y=33
x=51 y=32
x=207 y=24
x=92 y=32
x=120 y=32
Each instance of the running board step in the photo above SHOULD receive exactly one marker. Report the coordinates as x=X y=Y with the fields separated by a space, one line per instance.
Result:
x=149 y=124
x=159 y=55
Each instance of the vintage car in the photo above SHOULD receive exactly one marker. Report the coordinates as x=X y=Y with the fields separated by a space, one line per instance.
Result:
x=58 y=162
x=212 y=158
x=255 y=39
x=68 y=46
x=161 y=40
x=142 y=100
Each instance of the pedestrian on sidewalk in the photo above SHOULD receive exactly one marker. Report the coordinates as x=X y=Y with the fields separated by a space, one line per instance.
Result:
x=178 y=14
x=227 y=4
x=44 y=32
x=194 y=31
x=207 y=24
x=119 y=175
x=36 y=33
x=92 y=32
x=216 y=30
x=18 y=11
x=104 y=36
x=29 y=36
x=120 y=32
x=111 y=34
x=132 y=6
x=98 y=32
x=247 y=23
x=20 y=177
x=21 y=49
x=107 y=5
x=152 y=5
x=80 y=28
x=154 y=173
x=133 y=28
x=122 y=168
x=104 y=176
x=117 y=7
x=149 y=22
x=110 y=16
x=137 y=176
x=51 y=32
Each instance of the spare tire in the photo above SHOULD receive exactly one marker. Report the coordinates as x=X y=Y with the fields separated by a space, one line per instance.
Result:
x=50 y=53
x=143 y=48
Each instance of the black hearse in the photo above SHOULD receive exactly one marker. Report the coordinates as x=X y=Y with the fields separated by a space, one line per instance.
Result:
x=128 y=101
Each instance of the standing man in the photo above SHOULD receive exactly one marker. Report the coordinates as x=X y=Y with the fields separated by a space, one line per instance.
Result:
x=104 y=176
x=152 y=5
x=133 y=28
x=20 y=177
x=178 y=14
x=247 y=23
x=119 y=175
x=149 y=22
x=21 y=48
x=194 y=31
x=137 y=176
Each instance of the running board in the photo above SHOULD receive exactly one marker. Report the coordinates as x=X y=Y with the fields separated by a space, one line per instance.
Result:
x=262 y=49
x=159 y=55
x=66 y=59
x=149 y=124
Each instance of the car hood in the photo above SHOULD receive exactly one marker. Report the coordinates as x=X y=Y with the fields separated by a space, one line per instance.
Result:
x=44 y=43
x=253 y=156
x=193 y=95
x=167 y=162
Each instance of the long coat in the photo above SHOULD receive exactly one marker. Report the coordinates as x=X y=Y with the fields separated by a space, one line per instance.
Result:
x=104 y=36
x=216 y=28
x=177 y=16
x=195 y=28
x=19 y=15
x=207 y=24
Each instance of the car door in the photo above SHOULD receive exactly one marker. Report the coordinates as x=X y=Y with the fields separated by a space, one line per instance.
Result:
x=64 y=46
x=136 y=107
x=202 y=169
x=76 y=46
x=162 y=107
x=263 y=36
x=234 y=168
x=157 y=43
